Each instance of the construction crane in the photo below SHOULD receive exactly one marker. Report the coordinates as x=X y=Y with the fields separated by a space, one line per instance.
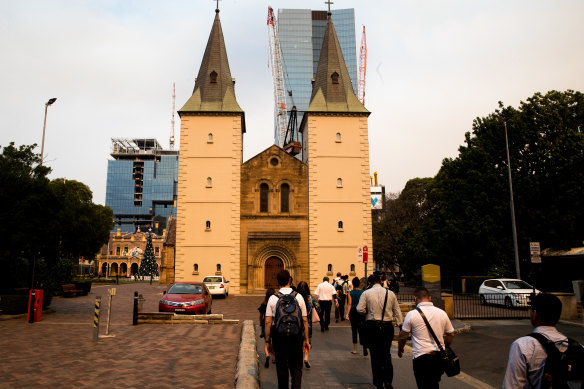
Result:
x=278 y=78
x=362 y=69
x=171 y=141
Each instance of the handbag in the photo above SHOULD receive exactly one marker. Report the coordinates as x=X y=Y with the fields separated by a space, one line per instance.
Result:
x=315 y=317
x=451 y=363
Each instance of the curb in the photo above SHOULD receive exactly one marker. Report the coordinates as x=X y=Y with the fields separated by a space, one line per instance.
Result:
x=574 y=323
x=247 y=375
x=461 y=330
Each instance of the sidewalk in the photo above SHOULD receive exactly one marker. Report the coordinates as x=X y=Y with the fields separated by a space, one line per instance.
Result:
x=333 y=365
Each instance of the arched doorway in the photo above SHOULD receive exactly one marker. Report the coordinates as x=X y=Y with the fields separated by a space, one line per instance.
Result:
x=104 y=269
x=134 y=269
x=123 y=270
x=114 y=269
x=272 y=267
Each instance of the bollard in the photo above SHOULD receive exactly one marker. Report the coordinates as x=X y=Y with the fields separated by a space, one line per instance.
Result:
x=135 y=312
x=111 y=292
x=96 y=318
x=141 y=303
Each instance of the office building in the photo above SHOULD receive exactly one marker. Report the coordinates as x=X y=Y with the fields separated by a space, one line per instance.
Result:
x=141 y=184
x=301 y=34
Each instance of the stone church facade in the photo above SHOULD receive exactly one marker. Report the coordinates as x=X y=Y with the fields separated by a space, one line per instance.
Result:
x=246 y=221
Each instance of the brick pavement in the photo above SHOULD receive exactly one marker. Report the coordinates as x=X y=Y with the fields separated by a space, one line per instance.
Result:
x=59 y=351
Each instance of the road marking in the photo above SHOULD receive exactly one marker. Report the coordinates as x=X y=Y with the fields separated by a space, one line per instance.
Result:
x=476 y=383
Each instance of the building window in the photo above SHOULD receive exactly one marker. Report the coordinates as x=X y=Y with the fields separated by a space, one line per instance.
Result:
x=210 y=138
x=274 y=161
x=353 y=268
x=330 y=268
x=208 y=225
x=196 y=267
x=156 y=251
x=335 y=78
x=213 y=77
x=340 y=225
x=118 y=250
x=264 y=191
x=125 y=249
x=285 y=197
x=338 y=138
x=339 y=182
x=218 y=267
x=209 y=182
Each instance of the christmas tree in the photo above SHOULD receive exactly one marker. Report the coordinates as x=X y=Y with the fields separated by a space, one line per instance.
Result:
x=148 y=265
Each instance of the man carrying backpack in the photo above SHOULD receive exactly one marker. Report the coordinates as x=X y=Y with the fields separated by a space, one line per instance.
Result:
x=342 y=288
x=287 y=328
x=535 y=361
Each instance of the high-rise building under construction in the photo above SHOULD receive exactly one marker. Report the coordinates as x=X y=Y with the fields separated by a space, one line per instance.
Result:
x=301 y=33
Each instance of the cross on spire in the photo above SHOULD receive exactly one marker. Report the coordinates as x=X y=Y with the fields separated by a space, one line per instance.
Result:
x=329 y=2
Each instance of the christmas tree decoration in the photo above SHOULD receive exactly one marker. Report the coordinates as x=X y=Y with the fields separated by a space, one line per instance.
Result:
x=148 y=265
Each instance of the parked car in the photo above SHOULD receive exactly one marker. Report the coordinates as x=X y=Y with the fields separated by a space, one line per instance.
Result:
x=217 y=285
x=510 y=292
x=187 y=297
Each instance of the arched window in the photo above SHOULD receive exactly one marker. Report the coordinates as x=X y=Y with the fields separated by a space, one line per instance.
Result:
x=339 y=182
x=352 y=268
x=340 y=224
x=196 y=267
x=210 y=138
x=213 y=77
x=218 y=267
x=209 y=182
x=285 y=198
x=330 y=268
x=335 y=78
x=264 y=191
x=208 y=225
x=338 y=139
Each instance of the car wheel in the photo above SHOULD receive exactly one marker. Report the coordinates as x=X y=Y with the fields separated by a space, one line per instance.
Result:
x=508 y=303
x=483 y=299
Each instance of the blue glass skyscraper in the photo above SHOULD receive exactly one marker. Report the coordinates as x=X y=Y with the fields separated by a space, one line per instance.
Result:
x=142 y=182
x=301 y=34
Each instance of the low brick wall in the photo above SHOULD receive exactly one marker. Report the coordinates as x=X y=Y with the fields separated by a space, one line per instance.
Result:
x=172 y=318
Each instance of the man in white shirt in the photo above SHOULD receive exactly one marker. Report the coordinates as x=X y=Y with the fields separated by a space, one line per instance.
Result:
x=325 y=294
x=427 y=356
x=527 y=356
x=289 y=351
x=380 y=330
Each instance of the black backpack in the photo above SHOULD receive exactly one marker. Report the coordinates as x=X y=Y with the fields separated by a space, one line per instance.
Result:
x=288 y=317
x=561 y=367
x=339 y=288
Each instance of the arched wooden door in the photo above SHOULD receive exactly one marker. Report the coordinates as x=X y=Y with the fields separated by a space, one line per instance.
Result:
x=272 y=267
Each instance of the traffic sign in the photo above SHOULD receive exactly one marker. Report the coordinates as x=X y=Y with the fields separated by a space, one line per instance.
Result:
x=365 y=254
x=360 y=254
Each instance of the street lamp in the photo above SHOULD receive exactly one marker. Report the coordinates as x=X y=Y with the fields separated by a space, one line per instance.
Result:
x=513 y=226
x=50 y=102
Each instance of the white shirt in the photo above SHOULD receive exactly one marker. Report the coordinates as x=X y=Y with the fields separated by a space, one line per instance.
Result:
x=527 y=357
x=325 y=291
x=371 y=304
x=274 y=300
x=422 y=340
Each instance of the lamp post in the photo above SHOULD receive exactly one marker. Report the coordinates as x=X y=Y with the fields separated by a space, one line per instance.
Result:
x=50 y=102
x=513 y=226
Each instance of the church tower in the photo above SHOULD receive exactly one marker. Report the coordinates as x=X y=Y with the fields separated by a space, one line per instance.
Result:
x=208 y=204
x=336 y=149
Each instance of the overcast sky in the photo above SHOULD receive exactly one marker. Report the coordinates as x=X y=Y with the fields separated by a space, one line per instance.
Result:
x=433 y=66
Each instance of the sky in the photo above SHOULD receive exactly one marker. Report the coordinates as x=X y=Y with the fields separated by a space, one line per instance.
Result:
x=433 y=66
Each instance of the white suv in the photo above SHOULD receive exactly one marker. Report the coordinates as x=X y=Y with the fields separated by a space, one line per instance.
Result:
x=217 y=285
x=506 y=291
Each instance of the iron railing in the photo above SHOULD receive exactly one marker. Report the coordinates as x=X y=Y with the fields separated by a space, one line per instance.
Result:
x=492 y=306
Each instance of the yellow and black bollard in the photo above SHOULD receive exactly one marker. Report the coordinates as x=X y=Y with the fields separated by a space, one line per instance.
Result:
x=96 y=318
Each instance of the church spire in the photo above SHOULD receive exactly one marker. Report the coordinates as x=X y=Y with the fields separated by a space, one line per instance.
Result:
x=332 y=90
x=214 y=88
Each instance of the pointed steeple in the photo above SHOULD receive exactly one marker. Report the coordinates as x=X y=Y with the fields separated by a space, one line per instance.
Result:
x=332 y=90
x=214 y=90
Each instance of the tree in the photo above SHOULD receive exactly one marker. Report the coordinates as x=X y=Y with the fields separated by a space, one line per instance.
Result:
x=148 y=265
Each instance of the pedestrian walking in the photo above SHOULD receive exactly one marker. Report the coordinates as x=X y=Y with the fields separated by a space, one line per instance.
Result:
x=337 y=282
x=325 y=294
x=428 y=360
x=527 y=356
x=262 y=310
x=311 y=305
x=380 y=307
x=357 y=320
x=287 y=327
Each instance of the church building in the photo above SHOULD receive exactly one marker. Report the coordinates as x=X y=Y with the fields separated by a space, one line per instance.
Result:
x=246 y=221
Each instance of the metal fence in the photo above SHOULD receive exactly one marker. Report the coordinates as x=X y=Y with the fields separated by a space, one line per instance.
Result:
x=492 y=306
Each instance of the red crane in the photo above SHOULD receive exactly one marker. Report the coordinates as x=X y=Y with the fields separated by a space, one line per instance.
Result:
x=362 y=69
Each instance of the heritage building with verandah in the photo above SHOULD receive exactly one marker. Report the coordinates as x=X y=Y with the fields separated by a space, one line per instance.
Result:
x=246 y=221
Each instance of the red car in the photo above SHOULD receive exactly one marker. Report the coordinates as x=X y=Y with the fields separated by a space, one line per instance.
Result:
x=187 y=297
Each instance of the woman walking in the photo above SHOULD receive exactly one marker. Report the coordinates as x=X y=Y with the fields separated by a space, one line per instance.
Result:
x=311 y=304
x=354 y=317
x=262 y=310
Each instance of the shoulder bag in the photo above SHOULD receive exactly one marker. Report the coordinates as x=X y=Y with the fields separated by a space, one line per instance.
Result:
x=451 y=362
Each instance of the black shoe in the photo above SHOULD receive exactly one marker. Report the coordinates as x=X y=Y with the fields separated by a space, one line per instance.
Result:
x=307 y=364
x=267 y=364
